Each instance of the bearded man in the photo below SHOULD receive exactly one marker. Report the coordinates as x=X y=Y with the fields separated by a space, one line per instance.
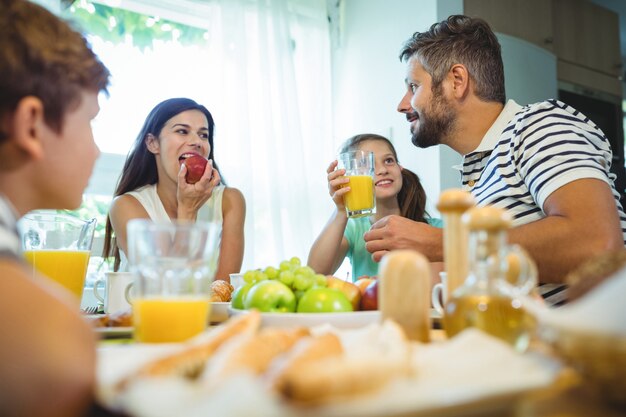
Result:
x=546 y=164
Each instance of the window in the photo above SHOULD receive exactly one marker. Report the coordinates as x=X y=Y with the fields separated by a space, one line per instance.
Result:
x=261 y=68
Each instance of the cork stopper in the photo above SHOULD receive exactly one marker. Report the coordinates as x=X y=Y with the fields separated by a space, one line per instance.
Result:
x=489 y=218
x=455 y=200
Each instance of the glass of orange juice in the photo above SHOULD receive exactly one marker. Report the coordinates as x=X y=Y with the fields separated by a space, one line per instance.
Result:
x=172 y=289
x=359 y=165
x=58 y=246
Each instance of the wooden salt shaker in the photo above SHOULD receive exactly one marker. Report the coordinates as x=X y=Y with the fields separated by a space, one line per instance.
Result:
x=404 y=292
x=452 y=204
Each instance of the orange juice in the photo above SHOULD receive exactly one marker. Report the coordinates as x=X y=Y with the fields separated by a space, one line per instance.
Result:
x=360 y=198
x=66 y=267
x=159 y=320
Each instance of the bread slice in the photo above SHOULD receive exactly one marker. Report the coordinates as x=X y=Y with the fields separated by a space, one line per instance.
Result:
x=190 y=361
x=337 y=378
x=253 y=352
x=308 y=350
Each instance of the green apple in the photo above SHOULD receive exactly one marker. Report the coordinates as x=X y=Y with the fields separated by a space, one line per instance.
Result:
x=270 y=296
x=239 y=295
x=324 y=300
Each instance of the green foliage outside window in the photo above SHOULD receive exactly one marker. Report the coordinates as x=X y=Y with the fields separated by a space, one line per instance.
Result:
x=93 y=207
x=116 y=25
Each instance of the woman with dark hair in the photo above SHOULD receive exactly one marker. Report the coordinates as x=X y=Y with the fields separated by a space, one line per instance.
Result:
x=153 y=183
x=398 y=191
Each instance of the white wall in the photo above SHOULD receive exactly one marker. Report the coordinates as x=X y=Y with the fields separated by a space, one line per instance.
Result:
x=368 y=79
x=529 y=71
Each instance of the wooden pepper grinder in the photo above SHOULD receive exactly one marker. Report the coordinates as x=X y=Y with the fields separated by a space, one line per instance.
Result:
x=452 y=204
x=404 y=292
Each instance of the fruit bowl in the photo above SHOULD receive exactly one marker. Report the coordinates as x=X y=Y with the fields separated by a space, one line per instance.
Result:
x=599 y=358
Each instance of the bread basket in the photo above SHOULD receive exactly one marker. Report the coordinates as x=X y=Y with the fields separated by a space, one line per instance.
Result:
x=590 y=335
x=599 y=359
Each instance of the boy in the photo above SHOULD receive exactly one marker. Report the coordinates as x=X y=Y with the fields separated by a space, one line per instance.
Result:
x=49 y=85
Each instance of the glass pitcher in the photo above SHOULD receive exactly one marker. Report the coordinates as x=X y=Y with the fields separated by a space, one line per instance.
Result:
x=491 y=297
x=58 y=246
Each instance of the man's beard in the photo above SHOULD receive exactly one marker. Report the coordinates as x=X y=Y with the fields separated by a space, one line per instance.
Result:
x=435 y=124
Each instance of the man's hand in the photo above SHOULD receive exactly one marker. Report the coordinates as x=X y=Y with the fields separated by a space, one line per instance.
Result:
x=397 y=232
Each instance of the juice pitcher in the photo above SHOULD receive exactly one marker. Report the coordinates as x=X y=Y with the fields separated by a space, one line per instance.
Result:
x=499 y=277
x=58 y=246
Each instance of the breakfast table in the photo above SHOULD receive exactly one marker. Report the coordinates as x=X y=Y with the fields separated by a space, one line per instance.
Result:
x=378 y=369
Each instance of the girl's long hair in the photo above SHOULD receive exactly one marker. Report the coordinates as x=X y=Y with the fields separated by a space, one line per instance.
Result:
x=412 y=197
x=140 y=167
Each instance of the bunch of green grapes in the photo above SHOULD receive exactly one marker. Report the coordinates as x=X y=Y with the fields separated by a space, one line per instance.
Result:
x=291 y=273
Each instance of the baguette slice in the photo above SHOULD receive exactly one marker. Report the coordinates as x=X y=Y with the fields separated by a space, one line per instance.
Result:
x=338 y=378
x=307 y=350
x=252 y=352
x=190 y=362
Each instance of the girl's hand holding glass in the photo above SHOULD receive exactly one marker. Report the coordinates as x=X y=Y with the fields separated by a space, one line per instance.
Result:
x=337 y=185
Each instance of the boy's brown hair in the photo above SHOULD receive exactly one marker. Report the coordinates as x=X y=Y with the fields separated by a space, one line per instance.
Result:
x=42 y=56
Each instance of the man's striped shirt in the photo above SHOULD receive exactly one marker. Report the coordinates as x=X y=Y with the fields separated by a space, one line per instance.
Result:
x=530 y=152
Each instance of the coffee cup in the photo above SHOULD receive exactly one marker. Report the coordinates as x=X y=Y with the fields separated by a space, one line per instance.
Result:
x=439 y=293
x=117 y=286
x=236 y=280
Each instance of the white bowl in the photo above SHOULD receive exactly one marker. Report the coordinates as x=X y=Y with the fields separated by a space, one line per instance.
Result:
x=219 y=311
x=348 y=320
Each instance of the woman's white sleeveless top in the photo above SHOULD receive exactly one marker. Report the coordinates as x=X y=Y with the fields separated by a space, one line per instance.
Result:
x=211 y=212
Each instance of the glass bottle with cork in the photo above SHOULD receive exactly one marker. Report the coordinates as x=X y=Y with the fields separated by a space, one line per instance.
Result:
x=488 y=300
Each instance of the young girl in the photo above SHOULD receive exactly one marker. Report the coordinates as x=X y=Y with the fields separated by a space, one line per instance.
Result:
x=153 y=184
x=398 y=191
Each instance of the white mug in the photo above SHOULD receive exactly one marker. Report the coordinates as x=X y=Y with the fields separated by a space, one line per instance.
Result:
x=236 y=280
x=116 y=291
x=439 y=294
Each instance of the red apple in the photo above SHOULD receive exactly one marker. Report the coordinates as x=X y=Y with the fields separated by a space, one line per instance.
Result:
x=363 y=283
x=369 y=301
x=351 y=291
x=195 y=168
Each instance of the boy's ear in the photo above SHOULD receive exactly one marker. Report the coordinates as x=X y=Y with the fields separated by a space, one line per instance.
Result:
x=27 y=127
x=152 y=143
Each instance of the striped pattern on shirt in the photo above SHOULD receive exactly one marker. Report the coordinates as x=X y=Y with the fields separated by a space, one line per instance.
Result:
x=542 y=147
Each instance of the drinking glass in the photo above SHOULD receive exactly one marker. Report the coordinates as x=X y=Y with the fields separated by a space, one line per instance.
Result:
x=359 y=165
x=58 y=246
x=171 y=300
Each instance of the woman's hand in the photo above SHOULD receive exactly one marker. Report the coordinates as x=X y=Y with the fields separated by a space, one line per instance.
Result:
x=337 y=187
x=193 y=196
